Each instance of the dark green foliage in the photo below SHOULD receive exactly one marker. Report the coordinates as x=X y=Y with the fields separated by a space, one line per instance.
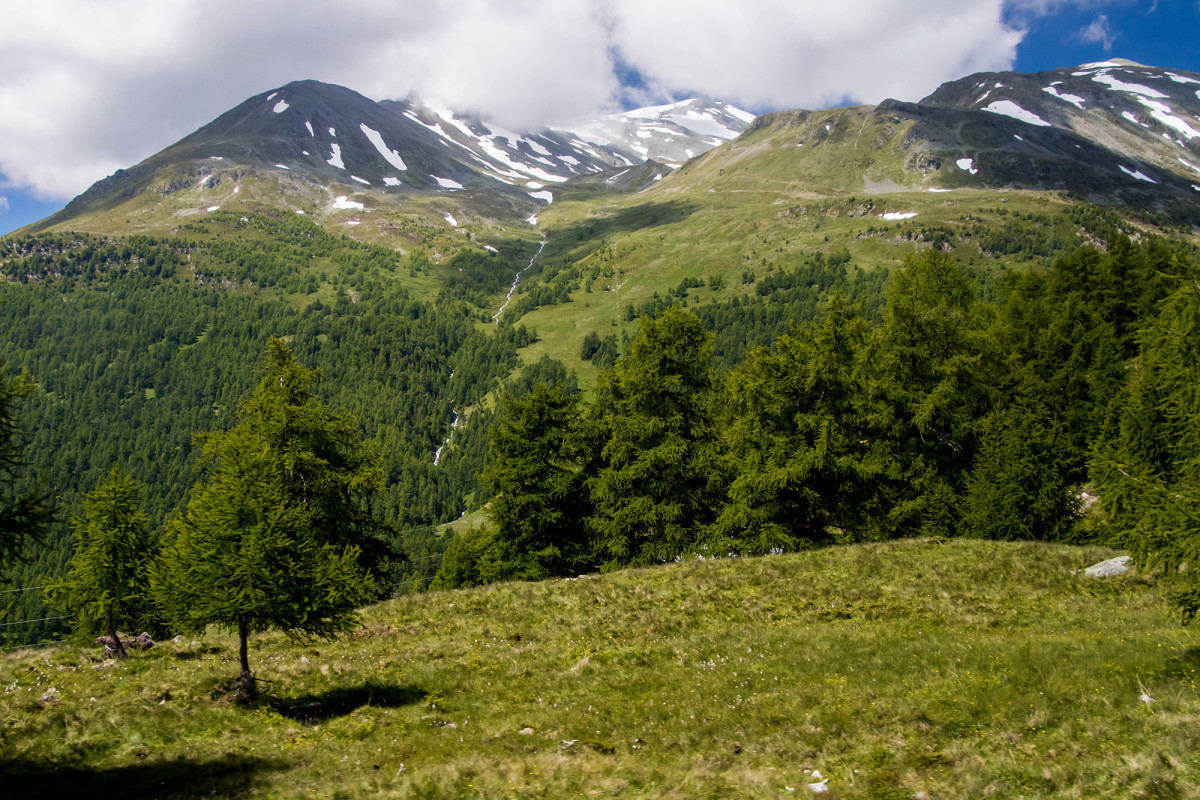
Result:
x=602 y=352
x=324 y=467
x=1020 y=486
x=25 y=510
x=540 y=461
x=536 y=480
x=463 y=560
x=814 y=464
x=115 y=549
x=661 y=477
x=129 y=362
x=270 y=538
x=545 y=370
x=1147 y=464
x=938 y=371
x=244 y=555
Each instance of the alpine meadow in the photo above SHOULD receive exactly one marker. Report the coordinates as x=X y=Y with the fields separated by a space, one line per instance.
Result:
x=370 y=449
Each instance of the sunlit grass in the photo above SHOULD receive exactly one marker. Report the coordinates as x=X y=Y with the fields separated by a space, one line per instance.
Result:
x=963 y=670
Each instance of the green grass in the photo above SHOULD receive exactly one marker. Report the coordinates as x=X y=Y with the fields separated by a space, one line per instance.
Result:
x=964 y=670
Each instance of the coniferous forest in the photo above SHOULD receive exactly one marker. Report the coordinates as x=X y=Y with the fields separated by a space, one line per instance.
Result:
x=830 y=404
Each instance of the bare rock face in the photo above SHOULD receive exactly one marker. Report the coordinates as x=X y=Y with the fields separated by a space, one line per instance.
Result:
x=1106 y=569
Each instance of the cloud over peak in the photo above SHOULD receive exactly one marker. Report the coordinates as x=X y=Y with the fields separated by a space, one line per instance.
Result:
x=126 y=78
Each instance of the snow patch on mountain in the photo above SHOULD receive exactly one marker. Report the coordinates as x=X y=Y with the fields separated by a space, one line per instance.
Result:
x=1118 y=85
x=447 y=183
x=308 y=125
x=1073 y=99
x=967 y=165
x=1141 y=176
x=280 y=107
x=1008 y=108
x=342 y=203
x=547 y=196
x=389 y=155
x=336 y=158
x=1162 y=113
x=1129 y=116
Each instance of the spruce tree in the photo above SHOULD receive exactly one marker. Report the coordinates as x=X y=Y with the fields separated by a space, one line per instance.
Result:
x=1147 y=464
x=324 y=467
x=536 y=479
x=813 y=462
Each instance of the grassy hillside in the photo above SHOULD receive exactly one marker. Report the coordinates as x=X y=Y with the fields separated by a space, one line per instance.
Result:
x=847 y=183
x=962 y=669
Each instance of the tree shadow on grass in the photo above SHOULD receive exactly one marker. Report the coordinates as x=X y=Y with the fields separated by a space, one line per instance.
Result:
x=339 y=702
x=228 y=776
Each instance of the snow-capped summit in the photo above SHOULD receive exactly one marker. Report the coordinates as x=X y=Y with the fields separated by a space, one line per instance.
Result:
x=325 y=134
x=670 y=134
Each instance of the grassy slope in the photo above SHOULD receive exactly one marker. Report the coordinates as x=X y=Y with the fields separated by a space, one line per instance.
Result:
x=401 y=221
x=965 y=670
x=760 y=203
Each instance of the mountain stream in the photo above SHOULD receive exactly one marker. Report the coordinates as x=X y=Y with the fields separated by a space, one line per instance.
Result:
x=516 y=279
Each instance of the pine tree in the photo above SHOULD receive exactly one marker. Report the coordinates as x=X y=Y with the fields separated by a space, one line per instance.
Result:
x=1147 y=464
x=109 y=581
x=325 y=468
x=814 y=464
x=536 y=478
x=938 y=373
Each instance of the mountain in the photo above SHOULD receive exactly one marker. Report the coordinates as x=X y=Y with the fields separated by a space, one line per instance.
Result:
x=383 y=239
x=1147 y=117
x=1112 y=133
x=308 y=136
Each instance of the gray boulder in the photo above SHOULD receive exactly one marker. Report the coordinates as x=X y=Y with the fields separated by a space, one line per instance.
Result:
x=1106 y=569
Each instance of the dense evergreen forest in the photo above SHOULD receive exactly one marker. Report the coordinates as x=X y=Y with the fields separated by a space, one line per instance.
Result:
x=133 y=352
x=824 y=403
x=996 y=406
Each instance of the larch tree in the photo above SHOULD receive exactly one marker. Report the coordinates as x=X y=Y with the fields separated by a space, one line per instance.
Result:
x=115 y=549
x=267 y=539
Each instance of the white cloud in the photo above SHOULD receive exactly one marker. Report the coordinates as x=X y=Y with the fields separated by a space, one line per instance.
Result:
x=128 y=77
x=3 y=204
x=1099 y=32
x=805 y=53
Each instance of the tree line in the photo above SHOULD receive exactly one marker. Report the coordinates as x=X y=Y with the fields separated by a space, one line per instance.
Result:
x=993 y=409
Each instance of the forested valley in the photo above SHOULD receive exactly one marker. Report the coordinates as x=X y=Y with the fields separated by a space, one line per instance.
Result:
x=826 y=403
x=998 y=405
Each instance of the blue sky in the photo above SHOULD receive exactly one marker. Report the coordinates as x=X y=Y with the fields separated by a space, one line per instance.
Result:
x=1161 y=34
x=73 y=108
